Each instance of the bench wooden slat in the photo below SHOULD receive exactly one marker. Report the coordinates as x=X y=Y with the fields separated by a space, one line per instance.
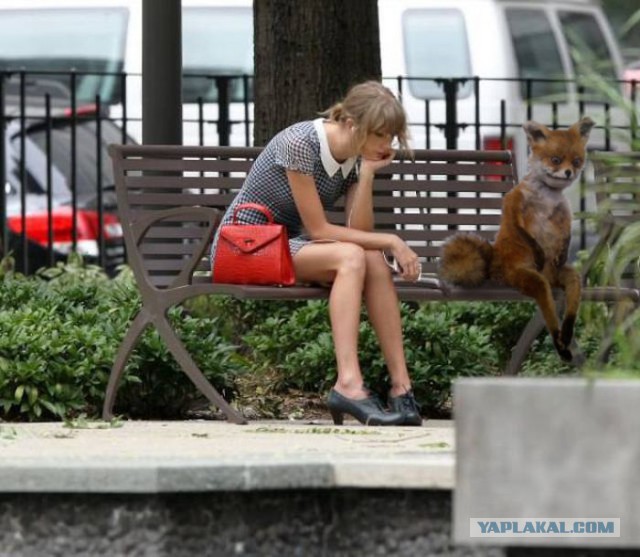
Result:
x=168 y=248
x=380 y=184
x=180 y=199
x=209 y=200
x=439 y=236
x=164 y=264
x=435 y=219
x=426 y=186
x=173 y=254
x=185 y=182
x=184 y=165
x=447 y=169
x=173 y=151
x=167 y=233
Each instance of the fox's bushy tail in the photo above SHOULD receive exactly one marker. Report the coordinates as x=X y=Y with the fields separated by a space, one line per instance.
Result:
x=465 y=260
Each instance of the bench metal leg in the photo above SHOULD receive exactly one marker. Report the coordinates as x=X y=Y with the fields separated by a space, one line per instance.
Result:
x=522 y=347
x=131 y=338
x=624 y=317
x=532 y=330
x=193 y=372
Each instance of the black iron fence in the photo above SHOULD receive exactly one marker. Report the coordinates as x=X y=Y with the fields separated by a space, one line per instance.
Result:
x=58 y=195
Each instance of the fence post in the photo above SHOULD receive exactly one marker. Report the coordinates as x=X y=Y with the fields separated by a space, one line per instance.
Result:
x=23 y=172
x=49 y=178
x=450 y=87
x=224 y=123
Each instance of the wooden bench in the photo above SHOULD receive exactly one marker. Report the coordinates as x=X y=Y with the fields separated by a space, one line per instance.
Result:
x=171 y=199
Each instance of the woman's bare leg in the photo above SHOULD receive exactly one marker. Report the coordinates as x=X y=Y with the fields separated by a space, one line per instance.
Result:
x=384 y=313
x=344 y=265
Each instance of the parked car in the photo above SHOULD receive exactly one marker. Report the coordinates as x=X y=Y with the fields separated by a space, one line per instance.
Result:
x=44 y=207
x=101 y=38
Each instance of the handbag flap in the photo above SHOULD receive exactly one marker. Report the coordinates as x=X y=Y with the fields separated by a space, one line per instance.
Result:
x=249 y=238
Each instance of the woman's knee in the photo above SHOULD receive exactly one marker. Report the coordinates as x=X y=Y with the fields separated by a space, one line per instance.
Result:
x=351 y=258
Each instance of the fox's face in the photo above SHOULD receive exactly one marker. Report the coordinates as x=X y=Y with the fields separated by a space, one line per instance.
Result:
x=557 y=156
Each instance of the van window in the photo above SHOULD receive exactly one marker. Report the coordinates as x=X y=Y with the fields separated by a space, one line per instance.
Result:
x=587 y=44
x=436 y=45
x=215 y=41
x=90 y=40
x=537 y=54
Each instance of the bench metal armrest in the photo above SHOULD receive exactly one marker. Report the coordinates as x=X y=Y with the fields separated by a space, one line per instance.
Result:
x=209 y=215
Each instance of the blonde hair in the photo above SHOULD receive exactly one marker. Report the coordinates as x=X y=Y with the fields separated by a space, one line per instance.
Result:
x=373 y=109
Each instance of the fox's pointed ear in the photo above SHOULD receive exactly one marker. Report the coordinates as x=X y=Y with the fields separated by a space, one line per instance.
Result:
x=583 y=128
x=535 y=132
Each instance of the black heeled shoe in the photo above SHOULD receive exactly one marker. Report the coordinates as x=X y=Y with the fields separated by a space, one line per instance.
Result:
x=368 y=411
x=408 y=407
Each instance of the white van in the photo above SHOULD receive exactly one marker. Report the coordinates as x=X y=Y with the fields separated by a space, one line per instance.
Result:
x=502 y=42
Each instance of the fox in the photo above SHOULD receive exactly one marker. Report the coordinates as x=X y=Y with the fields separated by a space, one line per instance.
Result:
x=530 y=250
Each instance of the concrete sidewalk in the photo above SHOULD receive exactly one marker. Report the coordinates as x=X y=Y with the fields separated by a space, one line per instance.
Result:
x=198 y=456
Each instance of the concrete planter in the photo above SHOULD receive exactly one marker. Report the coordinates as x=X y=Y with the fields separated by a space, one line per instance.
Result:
x=548 y=448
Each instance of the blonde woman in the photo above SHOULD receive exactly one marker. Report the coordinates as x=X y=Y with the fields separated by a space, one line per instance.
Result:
x=300 y=174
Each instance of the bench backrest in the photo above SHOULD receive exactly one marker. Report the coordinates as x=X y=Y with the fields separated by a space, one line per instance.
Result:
x=423 y=200
x=617 y=192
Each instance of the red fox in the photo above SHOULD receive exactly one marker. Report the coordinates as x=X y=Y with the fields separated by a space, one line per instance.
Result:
x=531 y=247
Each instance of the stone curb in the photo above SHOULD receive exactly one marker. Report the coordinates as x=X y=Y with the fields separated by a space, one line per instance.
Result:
x=199 y=456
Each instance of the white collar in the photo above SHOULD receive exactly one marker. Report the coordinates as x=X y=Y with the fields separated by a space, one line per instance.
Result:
x=331 y=166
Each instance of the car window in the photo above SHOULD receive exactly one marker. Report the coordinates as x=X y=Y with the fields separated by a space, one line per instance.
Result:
x=537 y=53
x=86 y=155
x=215 y=41
x=14 y=178
x=89 y=40
x=435 y=46
x=587 y=44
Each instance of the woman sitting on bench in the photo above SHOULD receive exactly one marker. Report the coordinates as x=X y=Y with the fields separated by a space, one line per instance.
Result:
x=302 y=171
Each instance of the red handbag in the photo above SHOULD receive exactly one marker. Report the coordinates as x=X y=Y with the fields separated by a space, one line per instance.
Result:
x=253 y=253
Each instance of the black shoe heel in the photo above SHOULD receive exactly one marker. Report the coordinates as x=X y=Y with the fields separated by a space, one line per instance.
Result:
x=368 y=411
x=338 y=417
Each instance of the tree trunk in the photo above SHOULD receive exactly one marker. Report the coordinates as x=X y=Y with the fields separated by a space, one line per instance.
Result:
x=307 y=55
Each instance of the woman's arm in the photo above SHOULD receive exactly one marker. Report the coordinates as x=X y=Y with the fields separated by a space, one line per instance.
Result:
x=318 y=227
x=359 y=202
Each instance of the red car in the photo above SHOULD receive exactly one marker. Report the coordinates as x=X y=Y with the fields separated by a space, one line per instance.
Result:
x=44 y=208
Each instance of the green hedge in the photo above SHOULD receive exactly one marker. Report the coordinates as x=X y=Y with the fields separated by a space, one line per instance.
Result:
x=60 y=330
x=59 y=333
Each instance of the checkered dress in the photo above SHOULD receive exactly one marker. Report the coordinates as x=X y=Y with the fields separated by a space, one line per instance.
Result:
x=295 y=148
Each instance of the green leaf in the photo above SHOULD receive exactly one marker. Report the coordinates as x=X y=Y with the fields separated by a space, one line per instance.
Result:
x=19 y=392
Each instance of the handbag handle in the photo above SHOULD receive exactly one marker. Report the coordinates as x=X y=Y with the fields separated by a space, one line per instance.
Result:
x=256 y=207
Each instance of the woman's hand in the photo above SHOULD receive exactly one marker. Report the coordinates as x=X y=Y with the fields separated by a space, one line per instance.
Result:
x=372 y=165
x=407 y=260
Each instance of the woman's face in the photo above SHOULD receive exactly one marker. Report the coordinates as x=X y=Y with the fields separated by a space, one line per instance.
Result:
x=377 y=146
